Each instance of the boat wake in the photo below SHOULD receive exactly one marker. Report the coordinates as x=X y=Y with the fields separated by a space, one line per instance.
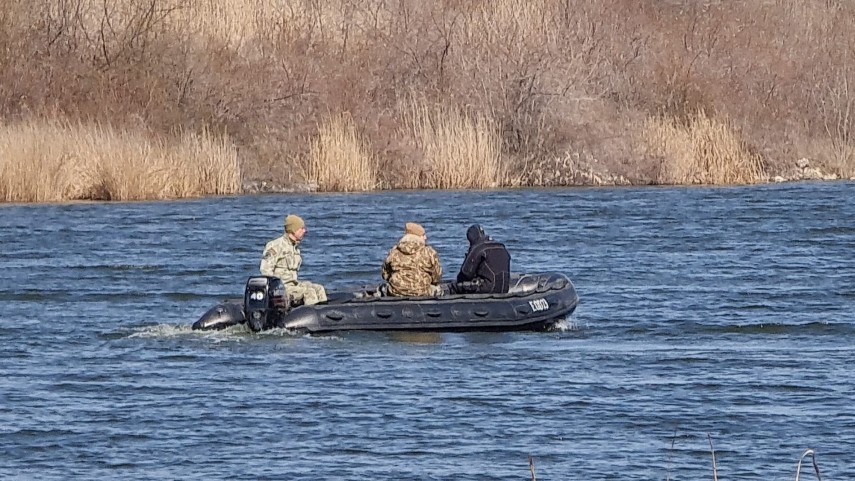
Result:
x=567 y=324
x=162 y=331
x=237 y=332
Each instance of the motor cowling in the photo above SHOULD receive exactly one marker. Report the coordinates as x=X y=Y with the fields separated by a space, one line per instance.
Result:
x=264 y=301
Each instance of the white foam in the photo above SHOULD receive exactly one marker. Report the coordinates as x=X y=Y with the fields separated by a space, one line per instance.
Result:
x=567 y=324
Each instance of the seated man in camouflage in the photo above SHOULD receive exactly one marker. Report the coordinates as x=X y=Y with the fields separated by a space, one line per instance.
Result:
x=412 y=267
x=282 y=259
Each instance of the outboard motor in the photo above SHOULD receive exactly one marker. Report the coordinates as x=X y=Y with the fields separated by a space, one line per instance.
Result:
x=264 y=300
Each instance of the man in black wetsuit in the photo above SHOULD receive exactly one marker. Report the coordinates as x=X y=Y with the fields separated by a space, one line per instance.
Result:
x=487 y=267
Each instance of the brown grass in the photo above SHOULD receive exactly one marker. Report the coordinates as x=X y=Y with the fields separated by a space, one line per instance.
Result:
x=701 y=151
x=340 y=160
x=458 y=151
x=558 y=78
x=49 y=161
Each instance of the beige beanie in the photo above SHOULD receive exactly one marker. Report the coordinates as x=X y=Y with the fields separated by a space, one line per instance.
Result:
x=413 y=228
x=293 y=223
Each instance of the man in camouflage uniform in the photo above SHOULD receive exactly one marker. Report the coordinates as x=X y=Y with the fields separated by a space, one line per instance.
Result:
x=412 y=267
x=282 y=259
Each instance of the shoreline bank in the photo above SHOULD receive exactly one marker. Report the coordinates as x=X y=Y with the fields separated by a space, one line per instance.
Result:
x=802 y=171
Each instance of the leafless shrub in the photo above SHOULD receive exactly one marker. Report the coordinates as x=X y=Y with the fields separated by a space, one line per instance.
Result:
x=835 y=104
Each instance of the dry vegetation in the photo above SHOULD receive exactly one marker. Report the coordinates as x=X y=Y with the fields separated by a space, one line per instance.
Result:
x=52 y=162
x=456 y=151
x=511 y=92
x=701 y=151
x=340 y=160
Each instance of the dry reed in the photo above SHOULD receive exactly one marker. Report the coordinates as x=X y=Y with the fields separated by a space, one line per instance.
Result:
x=340 y=160
x=458 y=151
x=52 y=161
x=701 y=150
x=812 y=454
x=712 y=453
x=531 y=467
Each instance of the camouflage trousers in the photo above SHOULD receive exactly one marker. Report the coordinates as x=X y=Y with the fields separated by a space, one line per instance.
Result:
x=435 y=291
x=306 y=292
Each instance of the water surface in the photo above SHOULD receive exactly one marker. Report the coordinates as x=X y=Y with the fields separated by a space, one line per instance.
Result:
x=706 y=314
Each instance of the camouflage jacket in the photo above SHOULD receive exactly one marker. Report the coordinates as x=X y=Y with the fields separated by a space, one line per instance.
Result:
x=282 y=259
x=411 y=267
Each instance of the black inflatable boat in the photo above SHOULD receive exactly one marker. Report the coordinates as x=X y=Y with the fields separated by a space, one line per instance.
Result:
x=534 y=302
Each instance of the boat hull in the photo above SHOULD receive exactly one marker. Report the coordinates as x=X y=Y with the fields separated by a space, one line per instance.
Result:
x=535 y=302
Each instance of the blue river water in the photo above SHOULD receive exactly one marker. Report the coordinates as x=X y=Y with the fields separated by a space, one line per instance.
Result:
x=711 y=321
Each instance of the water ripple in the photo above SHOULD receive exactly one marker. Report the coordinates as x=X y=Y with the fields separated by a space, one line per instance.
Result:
x=716 y=315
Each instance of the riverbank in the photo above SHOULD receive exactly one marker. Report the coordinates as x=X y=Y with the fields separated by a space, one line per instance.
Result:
x=586 y=179
x=800 y=170
x=363 y=96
